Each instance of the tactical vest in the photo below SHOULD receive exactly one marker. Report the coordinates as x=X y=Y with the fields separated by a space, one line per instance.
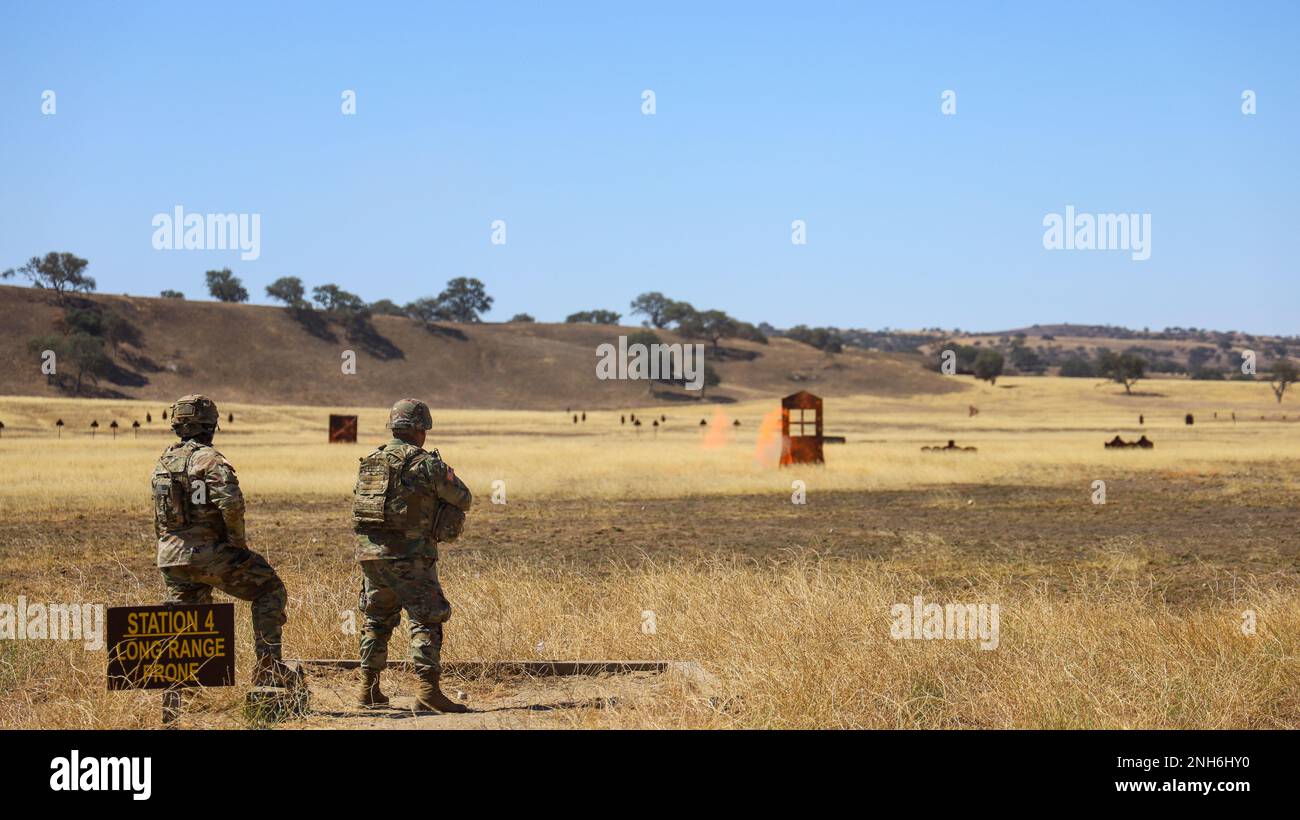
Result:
x=174 y=507
x=387 y=499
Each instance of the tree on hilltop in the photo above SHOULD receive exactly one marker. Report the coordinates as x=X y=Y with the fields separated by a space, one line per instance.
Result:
x=288 y=289
x=225 y=286
x=63 y=273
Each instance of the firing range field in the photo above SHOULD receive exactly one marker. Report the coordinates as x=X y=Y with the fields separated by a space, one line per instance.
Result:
x=1126 y=614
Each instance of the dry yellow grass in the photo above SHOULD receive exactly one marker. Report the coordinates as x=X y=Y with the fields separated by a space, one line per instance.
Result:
x=1028 y=430
x=795 y=639
x=799 y=642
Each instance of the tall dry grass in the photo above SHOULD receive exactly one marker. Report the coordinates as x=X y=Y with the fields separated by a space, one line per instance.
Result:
x=794 y=641
x=1028 y=431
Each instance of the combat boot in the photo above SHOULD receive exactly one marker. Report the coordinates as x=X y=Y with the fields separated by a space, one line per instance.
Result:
x=279 y=691
x=369 y=694
x=430 y=698
x=269 y=670
x=264 y=671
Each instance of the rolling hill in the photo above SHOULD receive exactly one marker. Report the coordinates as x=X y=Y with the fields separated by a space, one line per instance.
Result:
x=265 y=355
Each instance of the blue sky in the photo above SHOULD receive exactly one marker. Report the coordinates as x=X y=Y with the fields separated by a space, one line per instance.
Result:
x=766 y=113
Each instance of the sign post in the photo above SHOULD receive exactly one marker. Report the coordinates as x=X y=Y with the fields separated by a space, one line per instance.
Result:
x=171 y=647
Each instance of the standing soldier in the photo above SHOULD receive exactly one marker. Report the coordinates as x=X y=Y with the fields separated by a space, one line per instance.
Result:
x=199 y=519
x=406 y=501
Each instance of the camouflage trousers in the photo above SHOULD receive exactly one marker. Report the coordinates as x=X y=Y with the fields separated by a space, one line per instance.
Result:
x=390 y=585
x=240 y=573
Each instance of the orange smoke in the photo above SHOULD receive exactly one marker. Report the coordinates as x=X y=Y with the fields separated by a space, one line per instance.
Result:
x=767 y=450
x=716 y=434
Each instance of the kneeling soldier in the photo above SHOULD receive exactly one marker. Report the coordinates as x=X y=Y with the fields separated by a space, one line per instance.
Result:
x=199 y=521
x=406 y=500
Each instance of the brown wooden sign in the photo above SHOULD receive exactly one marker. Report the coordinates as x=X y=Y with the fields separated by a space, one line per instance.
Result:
x=343 y=429
x=170 y=646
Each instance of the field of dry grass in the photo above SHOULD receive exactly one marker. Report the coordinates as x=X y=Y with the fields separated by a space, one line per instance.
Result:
x=1123 y=615
x=1029 y=430
x=794 y=641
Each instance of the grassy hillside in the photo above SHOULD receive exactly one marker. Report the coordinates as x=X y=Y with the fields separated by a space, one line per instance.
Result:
x=263 y=355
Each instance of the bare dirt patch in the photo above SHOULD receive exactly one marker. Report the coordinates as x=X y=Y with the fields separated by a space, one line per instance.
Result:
x=1186 y=533
x=512 y=703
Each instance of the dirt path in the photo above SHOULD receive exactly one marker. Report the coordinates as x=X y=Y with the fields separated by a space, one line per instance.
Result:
x=515 y=703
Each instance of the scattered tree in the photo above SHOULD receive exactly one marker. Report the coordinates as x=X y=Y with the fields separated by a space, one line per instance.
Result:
x=335 y=299
x=965 y=362
x=822 y=338
x=349 y=308
x=1197 y=357
x=594 y=317
x=288 y=289
x=656 y=307
x=648 y=338
x=225 y=286
x=84 y=320
x=1077 y=367
x=118 y=330
x=1026 y=360
x=172 y=294
x=427 y=311
x=464 y=299
x=750 y=333
x=711 y=379
x=101 y=323
x=679 y=313
x=62 y=273
x=386 y=307
x=988 y=365
x=81 y=351
x=643 y=337
x=522 y=318
x=713 y=325
x=1284 y=374
x=1121 y=368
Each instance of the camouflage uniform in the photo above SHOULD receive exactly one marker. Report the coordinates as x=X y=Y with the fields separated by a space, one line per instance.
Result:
x=400 y=568
x=199 y=521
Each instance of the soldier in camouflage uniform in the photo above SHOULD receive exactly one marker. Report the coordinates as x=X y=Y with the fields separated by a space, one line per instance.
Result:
x=199 y=520
x=406 y=500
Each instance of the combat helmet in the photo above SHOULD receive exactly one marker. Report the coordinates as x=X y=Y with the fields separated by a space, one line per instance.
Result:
x=409 y=414
x=194 y=414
